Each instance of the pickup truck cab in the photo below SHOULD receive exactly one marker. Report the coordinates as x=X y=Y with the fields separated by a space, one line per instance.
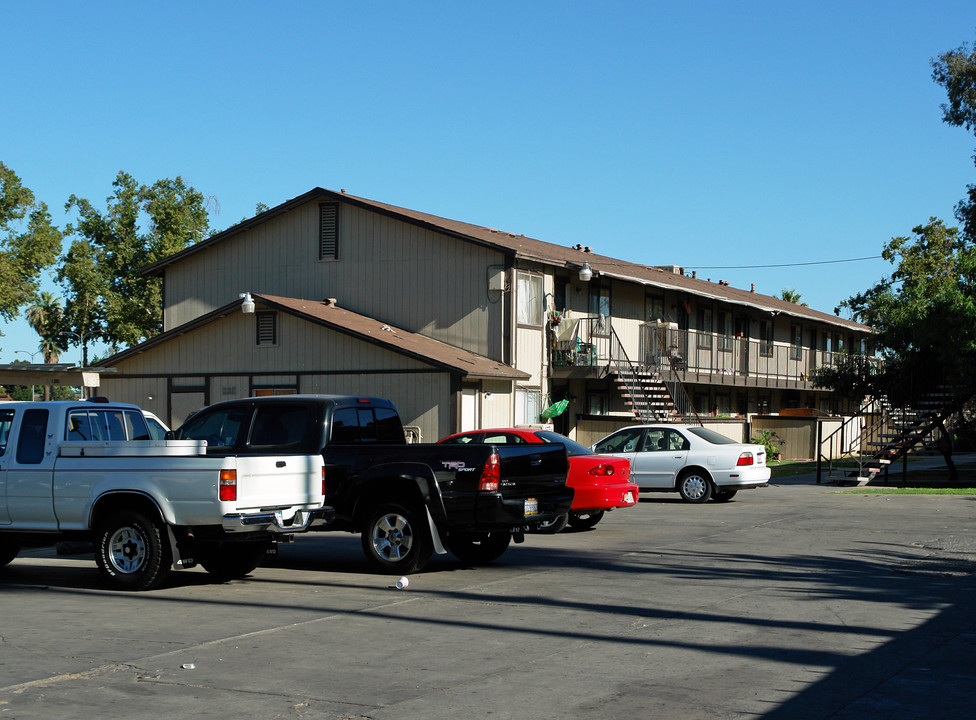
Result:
x=88 y=471
x=407 y=501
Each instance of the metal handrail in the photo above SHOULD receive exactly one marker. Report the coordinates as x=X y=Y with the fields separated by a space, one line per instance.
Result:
x=679 y=394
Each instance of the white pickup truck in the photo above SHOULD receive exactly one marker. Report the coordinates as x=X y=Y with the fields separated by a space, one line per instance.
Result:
x=88 y=471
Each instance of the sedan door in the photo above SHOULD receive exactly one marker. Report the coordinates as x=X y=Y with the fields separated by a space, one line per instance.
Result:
x=624 y=444
x=661 y=457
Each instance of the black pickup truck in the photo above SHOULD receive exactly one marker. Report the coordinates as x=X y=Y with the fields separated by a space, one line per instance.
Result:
x=406 y=500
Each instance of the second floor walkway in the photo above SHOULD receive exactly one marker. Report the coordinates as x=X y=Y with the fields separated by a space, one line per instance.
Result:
x=695 y=356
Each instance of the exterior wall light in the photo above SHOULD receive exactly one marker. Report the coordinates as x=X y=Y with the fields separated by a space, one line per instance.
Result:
x=247 y=306
x=586 y=273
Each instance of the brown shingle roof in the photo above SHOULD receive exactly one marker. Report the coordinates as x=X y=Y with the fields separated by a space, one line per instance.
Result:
x=421 y=347
x=402 y=341
x=540 y=251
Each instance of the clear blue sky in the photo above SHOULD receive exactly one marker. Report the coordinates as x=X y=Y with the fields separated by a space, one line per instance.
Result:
x=699 y=134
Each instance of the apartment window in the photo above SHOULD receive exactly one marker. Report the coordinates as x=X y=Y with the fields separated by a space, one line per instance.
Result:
x=267 y=328
x=329 y=231
x=766 y=338
x=529 y=288
x=796 y=341
x=528 y=405
x=600 y=308
x=653 y=308
x=724 y=330
x=598 y=403
x=704 y=325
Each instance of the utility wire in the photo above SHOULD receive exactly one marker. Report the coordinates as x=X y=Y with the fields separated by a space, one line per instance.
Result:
x=750 y=267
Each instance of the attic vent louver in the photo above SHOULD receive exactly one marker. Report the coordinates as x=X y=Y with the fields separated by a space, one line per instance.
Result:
x=329 y=231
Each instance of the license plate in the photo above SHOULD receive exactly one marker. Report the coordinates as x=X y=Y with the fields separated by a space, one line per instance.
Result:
x=629 y=498
x=531 y=507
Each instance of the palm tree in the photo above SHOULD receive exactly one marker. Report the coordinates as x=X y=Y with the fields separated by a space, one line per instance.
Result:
x=45 y=318
x=790 y=295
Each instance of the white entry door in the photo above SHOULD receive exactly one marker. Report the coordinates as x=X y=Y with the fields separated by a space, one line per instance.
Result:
x=470 y=411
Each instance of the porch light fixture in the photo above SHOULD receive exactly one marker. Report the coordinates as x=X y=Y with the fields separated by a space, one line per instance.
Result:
x=586 y=272
x=247 y=306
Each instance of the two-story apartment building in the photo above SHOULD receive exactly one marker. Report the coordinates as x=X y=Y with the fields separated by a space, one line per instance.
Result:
x=463 y=326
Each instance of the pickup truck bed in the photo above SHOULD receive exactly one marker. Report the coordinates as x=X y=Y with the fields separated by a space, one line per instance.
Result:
x=81 y=471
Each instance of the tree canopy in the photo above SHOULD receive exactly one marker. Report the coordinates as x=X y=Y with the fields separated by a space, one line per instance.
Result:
x=792 y=296
x=107 y=297
x=924 y=314
x=29 y=243
x=956 y=72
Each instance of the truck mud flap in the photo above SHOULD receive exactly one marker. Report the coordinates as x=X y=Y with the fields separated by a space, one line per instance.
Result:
x=179 y=561
x=434 y=535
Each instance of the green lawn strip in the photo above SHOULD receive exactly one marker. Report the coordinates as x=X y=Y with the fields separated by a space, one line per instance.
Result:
x=908 y=491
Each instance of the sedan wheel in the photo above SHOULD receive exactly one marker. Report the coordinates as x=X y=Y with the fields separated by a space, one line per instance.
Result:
x=695 y=487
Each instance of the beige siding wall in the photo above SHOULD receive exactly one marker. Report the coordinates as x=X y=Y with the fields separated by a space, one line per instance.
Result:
x=410 y=277
x=147 y=393
x=497 y=409
x=529 y=357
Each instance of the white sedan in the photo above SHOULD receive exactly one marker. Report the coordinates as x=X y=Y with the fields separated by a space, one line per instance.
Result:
x=696 y=462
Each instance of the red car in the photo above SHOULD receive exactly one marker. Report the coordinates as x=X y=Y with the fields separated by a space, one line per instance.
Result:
x=600 y=482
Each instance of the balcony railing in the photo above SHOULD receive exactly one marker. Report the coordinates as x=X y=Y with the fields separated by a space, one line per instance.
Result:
x=695 y=355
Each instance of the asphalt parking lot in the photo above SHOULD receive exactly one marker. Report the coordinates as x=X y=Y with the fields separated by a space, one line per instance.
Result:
x=792 y=601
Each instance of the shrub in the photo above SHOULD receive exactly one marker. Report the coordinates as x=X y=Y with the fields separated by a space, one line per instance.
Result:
x=769 y=440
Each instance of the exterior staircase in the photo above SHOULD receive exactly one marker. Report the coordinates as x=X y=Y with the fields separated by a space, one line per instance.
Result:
x=646 y=394
x=655 y=394
x=896 y=433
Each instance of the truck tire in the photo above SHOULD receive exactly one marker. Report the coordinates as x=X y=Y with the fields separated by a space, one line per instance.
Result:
x=131 y=552
x=396 y=538
x=230 y=561
x=479 y=548
x=8 y=551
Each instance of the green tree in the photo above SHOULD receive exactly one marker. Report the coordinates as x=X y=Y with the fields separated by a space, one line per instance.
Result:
x=46 y=318
x=790 y=295
x=924 y=315
x=29 y=243
x=84 y=286
x=131 y=303
x=956 y=72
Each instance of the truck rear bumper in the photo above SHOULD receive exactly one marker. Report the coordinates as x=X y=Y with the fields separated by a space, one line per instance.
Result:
x=494 y=512
x=286 y=520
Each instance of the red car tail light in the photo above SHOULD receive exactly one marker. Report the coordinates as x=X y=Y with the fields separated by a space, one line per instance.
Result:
x=601 y=470
x=745 y=459
x=228 y=485
x=491 y=474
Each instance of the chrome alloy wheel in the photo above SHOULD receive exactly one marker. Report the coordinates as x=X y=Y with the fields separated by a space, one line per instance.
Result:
x=392 y=537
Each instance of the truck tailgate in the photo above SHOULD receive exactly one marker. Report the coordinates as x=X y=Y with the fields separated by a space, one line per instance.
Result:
x=528 y=470
x=278 y=481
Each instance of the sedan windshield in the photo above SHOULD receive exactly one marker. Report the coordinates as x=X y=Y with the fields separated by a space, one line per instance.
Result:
x=711 y=436
x=572 y=447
